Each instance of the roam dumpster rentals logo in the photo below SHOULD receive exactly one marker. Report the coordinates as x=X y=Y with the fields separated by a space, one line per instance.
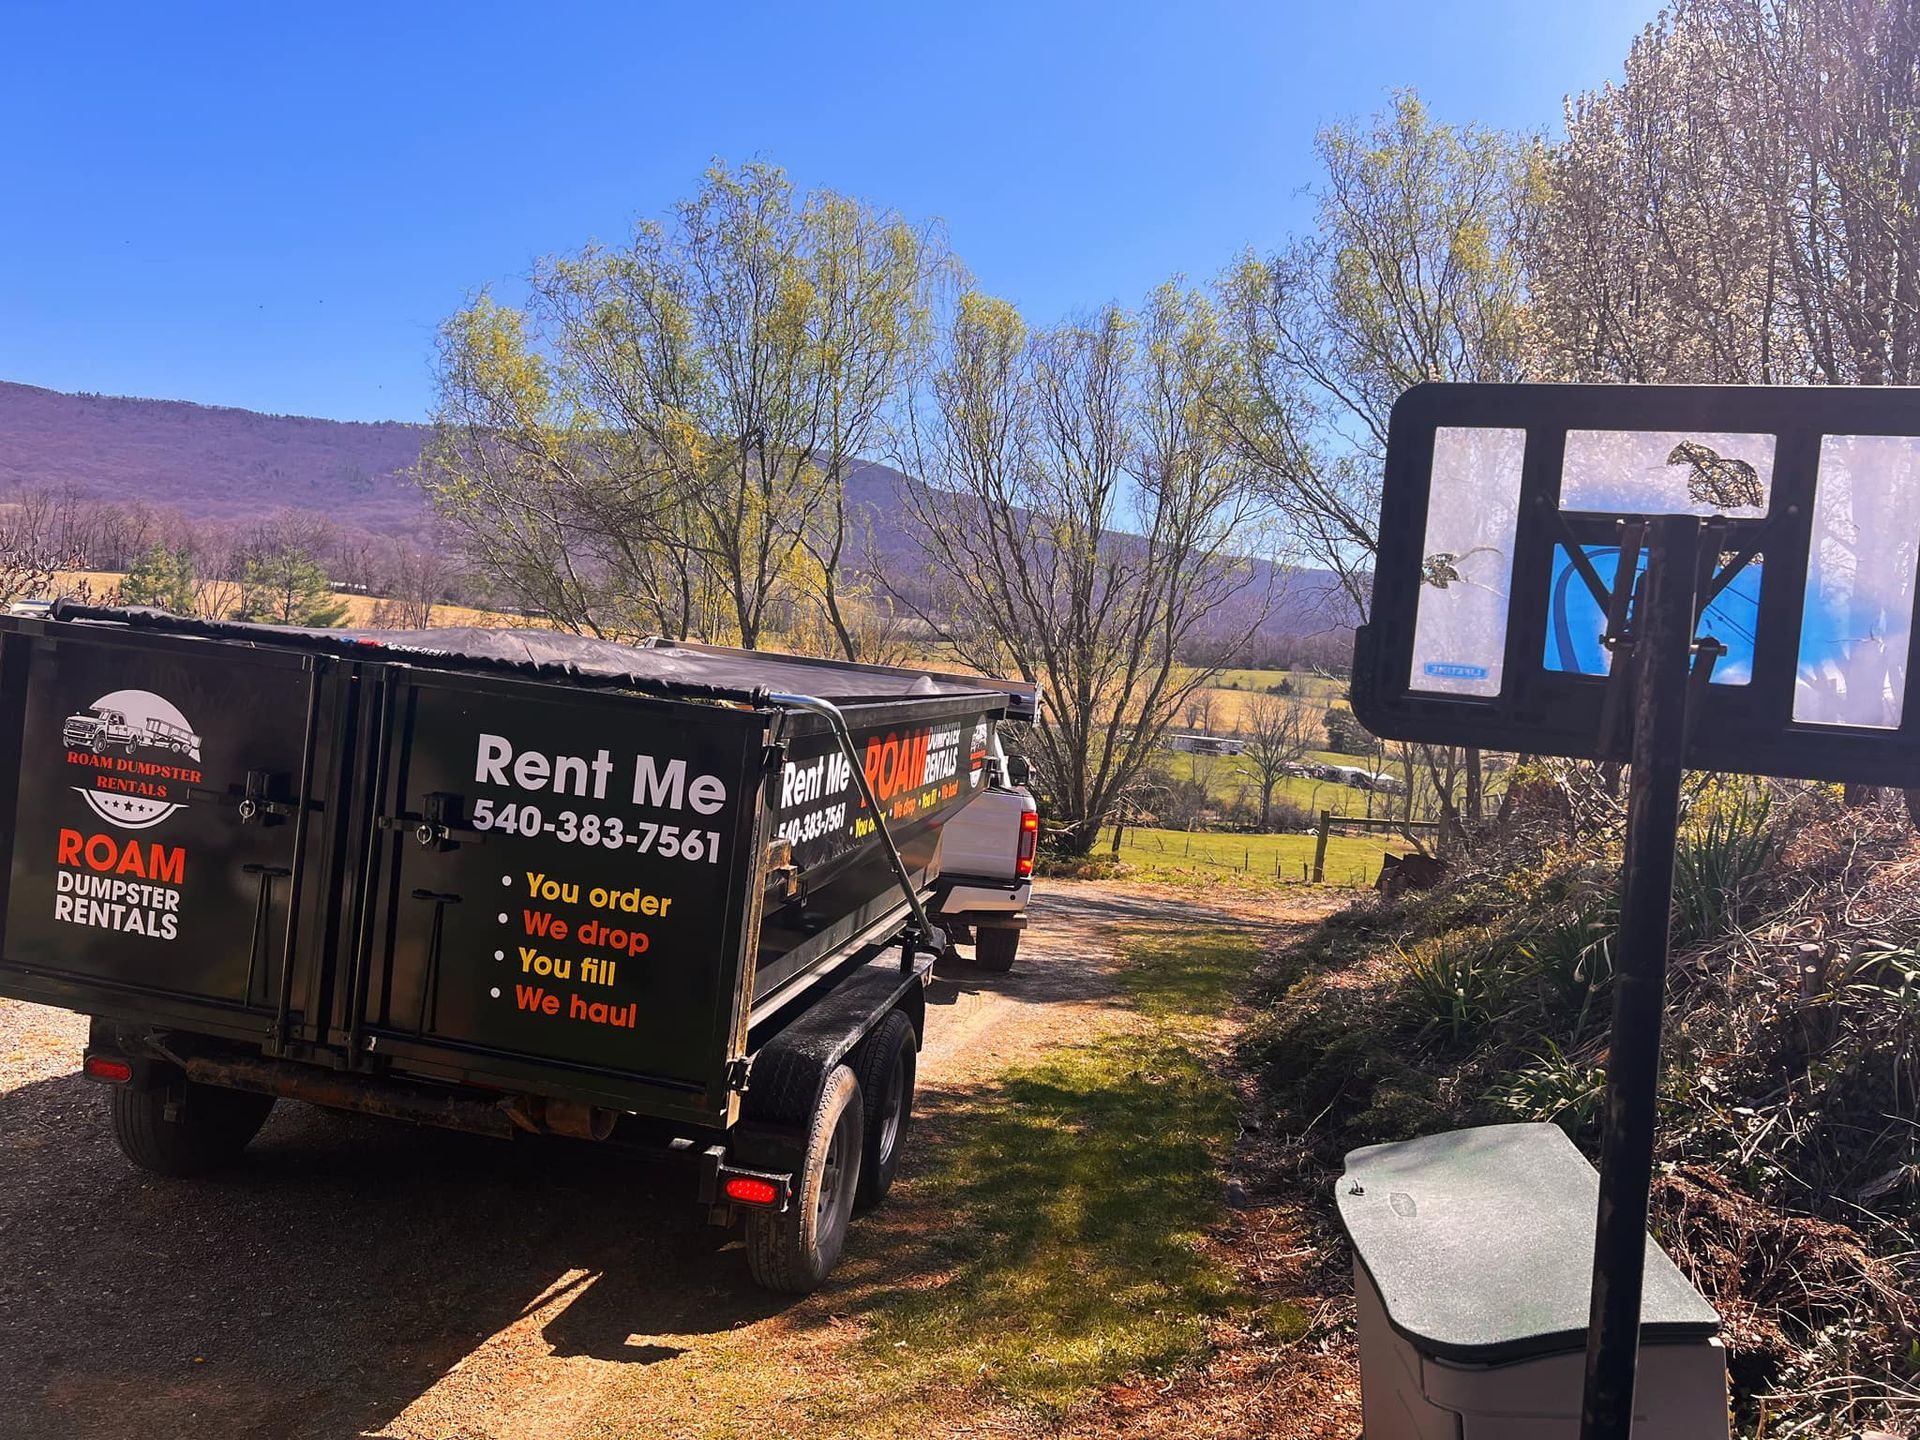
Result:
x=134 y=755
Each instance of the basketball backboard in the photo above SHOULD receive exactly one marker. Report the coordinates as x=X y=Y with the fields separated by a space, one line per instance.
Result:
x=1501 y=539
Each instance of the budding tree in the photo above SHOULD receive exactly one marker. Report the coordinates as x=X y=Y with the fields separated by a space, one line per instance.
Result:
x=658 y=440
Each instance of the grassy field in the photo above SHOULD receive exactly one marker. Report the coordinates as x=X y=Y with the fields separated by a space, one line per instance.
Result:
x=1078 y=1195
x=1254 y=859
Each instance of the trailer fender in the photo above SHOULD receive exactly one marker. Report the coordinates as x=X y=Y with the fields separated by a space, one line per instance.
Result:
x=790 y=1070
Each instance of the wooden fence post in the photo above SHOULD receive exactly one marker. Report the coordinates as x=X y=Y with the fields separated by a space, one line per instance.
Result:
x=1320 y=847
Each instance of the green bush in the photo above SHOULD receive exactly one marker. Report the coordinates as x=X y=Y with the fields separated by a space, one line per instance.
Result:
x=1573 y=959
x=1719 y=862
x=1453 y=987
x=1554 y=1088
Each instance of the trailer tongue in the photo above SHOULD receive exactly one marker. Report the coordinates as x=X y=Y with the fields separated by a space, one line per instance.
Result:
x=501 y=880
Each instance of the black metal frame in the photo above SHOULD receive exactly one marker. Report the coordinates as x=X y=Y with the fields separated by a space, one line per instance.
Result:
x=1748 y=728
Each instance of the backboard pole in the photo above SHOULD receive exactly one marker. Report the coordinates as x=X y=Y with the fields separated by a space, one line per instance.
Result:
x=1662 y=641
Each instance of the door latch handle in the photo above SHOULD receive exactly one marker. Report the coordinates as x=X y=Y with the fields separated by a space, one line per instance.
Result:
x=440 y=825
x=255 y=802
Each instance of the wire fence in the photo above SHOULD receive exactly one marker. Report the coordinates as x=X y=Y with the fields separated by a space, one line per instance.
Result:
x=1204 y=852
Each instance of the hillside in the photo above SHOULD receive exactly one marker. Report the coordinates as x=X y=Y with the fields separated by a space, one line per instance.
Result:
x=208 y=461
x=217 y=463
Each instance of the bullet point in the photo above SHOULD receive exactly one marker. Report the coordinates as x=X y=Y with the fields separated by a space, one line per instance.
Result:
x=499 y=954
x=506 y=879
x=501 y=917
x=496 y=992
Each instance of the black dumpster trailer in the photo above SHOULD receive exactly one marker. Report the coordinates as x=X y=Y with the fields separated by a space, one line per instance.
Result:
x=506 y=882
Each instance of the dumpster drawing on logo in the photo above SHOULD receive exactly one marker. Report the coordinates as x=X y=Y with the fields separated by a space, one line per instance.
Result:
x=133 y=793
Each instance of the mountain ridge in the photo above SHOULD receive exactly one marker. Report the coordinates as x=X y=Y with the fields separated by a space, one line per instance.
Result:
x=225 y=463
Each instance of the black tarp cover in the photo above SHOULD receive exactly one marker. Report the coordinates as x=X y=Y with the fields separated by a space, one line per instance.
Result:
x=656 y=668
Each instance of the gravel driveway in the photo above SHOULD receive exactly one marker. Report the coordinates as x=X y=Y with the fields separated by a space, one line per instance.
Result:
x=356 y=1277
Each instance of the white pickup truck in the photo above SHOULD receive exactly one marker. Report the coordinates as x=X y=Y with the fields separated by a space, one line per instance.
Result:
x=986 y=862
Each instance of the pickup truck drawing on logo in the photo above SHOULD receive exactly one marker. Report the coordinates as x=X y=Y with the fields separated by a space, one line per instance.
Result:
x=101 y=727
x=98 y=727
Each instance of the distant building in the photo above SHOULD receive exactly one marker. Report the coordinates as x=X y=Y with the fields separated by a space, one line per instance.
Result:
x=1189 y=743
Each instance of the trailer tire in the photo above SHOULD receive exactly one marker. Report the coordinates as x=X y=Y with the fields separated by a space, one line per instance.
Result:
x=794 y=1251
x=214 y=1127
x=885 y=1065
x=995 y=947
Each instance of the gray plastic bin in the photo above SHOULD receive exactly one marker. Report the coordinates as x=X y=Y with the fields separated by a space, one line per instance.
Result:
x=1473 y=1256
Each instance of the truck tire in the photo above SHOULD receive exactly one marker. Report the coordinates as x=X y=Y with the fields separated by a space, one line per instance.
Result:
x=793 y=1252
x=995 y=947
x=885 y=1065
x=214 y=1127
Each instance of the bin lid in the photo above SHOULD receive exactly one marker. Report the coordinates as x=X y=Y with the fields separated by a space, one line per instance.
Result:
x=1480 y=1243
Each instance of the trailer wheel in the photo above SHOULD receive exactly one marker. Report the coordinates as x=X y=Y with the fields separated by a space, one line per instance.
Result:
x=995 y=947
x=794 y=1251
x=885 y=1065
x=214 y=1126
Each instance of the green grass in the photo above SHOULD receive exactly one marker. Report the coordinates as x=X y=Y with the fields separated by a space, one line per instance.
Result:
x=1077 y=1194
x=1182 y=856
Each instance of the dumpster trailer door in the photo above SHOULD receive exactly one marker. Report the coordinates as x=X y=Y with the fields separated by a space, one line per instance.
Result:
x=564 y=881
x=169 y=794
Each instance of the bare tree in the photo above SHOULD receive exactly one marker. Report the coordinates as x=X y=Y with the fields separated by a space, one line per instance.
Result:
x=1085 y=519
x=1414 y=274
x=1275 y=735
x=415 y=585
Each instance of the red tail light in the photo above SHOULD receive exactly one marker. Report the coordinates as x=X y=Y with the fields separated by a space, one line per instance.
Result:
x=749 y=1191
x=1029 y=841
x=101 y=1067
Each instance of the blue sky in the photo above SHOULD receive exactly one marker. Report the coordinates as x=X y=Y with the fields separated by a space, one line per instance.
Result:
x=272 y=206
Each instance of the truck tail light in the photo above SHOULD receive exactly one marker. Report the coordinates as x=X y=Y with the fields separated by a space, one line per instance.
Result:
x=105 y=1067
x=746 y=1190
x=1029 y=841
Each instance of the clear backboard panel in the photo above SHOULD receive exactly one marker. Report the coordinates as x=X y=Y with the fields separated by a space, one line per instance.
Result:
x=1460 y=634
x=1666 y=472
x=1505 y=510
x=1860 y=570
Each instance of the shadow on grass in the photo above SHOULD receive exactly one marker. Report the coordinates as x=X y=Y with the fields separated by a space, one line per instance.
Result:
x=1052 y=1240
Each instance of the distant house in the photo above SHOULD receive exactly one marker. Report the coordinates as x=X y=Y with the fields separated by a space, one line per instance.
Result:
x=1190 y=743
x=1363 y=779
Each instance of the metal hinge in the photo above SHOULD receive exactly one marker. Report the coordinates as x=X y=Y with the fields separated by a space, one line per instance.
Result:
x=738 y=1072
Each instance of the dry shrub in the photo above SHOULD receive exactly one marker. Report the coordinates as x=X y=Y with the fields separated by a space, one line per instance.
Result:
x=1775 y=1277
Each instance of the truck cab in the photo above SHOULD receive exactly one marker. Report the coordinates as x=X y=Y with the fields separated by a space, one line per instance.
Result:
x=97 y=727
x=986 y=862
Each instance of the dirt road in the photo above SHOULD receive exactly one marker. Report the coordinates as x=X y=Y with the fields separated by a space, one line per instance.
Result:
x=364 y=1278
